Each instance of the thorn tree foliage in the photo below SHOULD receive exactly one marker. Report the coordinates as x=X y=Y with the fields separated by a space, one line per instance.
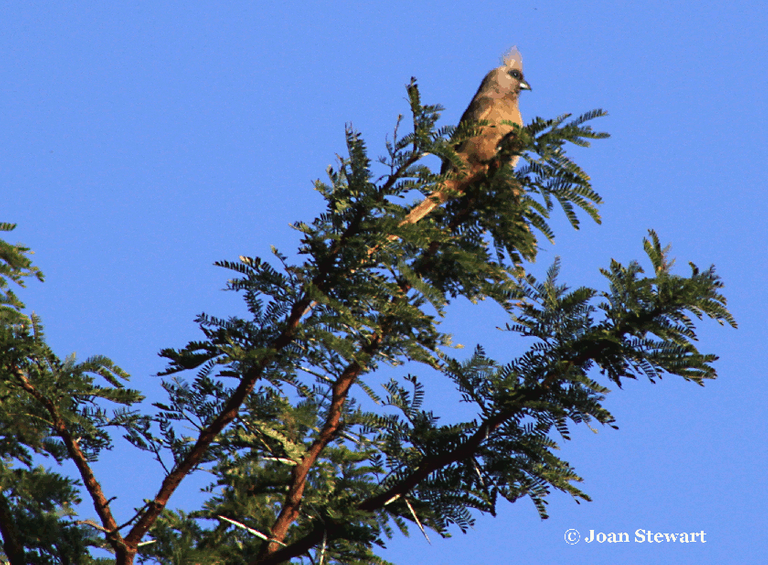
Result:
x=315 y=457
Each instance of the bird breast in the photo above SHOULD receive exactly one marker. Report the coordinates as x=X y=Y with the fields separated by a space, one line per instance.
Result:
x=483 y=146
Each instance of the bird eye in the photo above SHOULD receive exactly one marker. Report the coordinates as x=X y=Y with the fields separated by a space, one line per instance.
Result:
x=515 y=73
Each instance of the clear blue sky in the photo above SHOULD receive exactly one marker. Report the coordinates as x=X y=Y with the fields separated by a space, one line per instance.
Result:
x=140 y=142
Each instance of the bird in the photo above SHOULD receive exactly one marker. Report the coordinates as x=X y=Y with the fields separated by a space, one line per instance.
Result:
x=496 y=101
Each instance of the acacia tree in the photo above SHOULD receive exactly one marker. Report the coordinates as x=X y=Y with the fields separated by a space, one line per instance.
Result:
x=303 y=470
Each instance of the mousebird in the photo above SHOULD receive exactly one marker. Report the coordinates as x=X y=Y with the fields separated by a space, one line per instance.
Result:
x=495 y=101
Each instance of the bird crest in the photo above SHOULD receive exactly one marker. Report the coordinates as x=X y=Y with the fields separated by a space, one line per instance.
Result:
x=513 y=59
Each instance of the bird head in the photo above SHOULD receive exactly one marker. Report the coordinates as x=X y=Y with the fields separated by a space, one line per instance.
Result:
x=510 y=73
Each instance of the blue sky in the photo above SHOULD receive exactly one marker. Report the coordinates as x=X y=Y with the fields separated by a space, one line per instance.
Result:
x=143 y=141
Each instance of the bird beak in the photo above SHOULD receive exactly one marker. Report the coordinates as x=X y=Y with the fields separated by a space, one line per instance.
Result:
x=525 y=86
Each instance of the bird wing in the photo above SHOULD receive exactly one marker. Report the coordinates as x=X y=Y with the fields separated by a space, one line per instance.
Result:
x=479 y=109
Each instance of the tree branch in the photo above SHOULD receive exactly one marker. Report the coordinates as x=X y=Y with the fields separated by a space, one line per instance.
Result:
x=290 y=509
x=427 y=467
x=232 y=407
x=340 y=391
x=100 y=502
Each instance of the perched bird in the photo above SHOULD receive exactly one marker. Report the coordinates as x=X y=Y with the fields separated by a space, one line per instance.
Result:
x=495 y=101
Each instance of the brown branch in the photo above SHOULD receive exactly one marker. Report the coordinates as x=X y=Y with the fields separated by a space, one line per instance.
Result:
x=469 y=447
x=340 y=392
x=59 y=425
x=427 y=467
x=232 y=407
x=208 y=434
x=291 y=506
x=462 y=452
